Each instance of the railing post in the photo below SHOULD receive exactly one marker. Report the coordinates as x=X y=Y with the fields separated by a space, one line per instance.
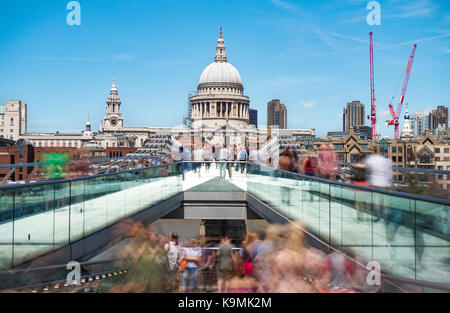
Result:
x=329 y=214
x=70 y=214
x=13 y=224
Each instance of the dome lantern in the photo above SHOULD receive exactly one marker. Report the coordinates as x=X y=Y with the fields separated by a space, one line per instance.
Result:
x=220 y=49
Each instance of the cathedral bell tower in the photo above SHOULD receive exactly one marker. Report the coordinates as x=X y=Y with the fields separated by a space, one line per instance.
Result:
x=113 y=119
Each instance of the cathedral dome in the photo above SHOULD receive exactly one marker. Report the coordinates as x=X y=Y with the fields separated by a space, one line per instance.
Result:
x=220 y=72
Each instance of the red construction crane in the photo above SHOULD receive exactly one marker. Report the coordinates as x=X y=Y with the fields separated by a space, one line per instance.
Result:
x=373 y=101
x=395 y=115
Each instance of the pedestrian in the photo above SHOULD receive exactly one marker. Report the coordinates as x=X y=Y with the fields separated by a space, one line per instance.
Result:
x=198 y=158
x=207 y=265
x=341 y=271
x=192 y=255
x=173 y=255
x=308 y=168
x=245 y=254
x=379 y=175
x=253 y=159
x=224 y=157
x=187 y=156
x=327 y=161
x=361 y=196
x=241 y=157
x=224 y=264
x=230 y=157
x=208 y=156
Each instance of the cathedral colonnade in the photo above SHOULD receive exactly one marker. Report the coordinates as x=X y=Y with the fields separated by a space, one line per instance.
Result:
x=220 y=109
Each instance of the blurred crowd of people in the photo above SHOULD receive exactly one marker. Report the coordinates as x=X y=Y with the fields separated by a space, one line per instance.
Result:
x=323 y=165
x=374 y=170
x=276 y=260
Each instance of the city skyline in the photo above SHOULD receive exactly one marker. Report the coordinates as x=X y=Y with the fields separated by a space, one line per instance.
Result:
x=282 y=53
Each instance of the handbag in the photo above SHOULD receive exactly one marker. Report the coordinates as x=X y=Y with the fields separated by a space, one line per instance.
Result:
x=248 y=267
x=183 y=264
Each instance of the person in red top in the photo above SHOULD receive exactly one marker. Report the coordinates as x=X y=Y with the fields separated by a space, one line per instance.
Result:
x=308 y=167
x=341 y=270
x=327 y=162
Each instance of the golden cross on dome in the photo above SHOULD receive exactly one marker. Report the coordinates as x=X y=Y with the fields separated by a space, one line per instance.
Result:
x=220 y=31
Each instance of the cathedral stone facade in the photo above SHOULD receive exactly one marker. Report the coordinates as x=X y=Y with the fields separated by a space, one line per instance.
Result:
x=220 y=100
x=219 y=115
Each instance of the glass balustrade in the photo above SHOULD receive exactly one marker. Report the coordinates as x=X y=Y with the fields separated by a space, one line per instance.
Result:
x=41 y=217
x=408 y=234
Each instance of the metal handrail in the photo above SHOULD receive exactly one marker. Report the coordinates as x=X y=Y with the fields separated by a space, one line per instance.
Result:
x=372 y=189
x=55 y=267
x=90 y=160
x=396 y=168
x=306 y=177
x=66 y=180
x=421 y=283
x=388 y=277
x=410 y=169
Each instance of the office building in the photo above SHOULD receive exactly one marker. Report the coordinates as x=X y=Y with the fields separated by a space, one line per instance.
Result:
x=253 y=117
x=439 y=120
x=354 y=115
x=276 y=114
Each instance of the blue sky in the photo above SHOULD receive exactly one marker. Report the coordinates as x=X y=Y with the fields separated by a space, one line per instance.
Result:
x=313 y=55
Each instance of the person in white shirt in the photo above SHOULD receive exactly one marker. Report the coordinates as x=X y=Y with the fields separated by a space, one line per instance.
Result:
x=207 y=156
x=198 y=156
x=178 y=157
x=186 y=154
x=253 y=158
x=223 y=157
x=253 y=155
x=379 y=175
x=173 y=255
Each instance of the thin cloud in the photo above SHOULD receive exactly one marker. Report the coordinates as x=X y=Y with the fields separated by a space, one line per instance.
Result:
x=308 y=104
x=125 y=56
x=447 y=18
x=285 y=5
x=384 y=113
x=396 y=10
x=349 y=37
x=323 y=36
x=417 y=9
x=414 y=41
x=168 y=63
x=117 y=57
x=288 y=81
x=62 y=59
